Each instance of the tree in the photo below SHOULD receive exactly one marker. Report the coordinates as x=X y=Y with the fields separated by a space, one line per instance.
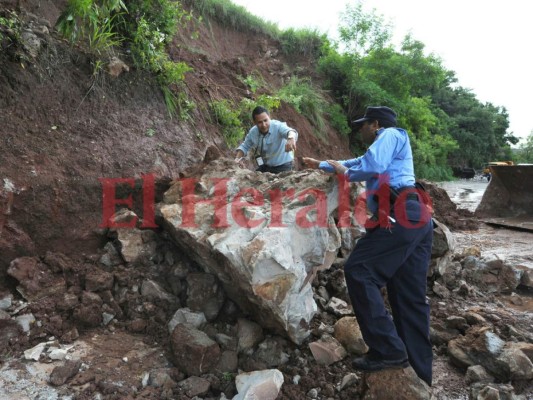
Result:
x=362 y=32
x=525 y=152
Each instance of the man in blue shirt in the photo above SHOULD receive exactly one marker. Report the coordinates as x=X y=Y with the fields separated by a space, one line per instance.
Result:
x=395 y=252
x=274 y=143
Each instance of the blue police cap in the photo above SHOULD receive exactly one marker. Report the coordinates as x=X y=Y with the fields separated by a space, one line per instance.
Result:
x=380 y=113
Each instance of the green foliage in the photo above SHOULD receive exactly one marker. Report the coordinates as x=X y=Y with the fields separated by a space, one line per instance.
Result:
x=525 y=150
x=254 y=81
x=436 y=173
x=246 y=106
x=362 y=32
x=147 y=26
x=93 y=23
x=234 y=16
x=479 y=129
x=307 y=99
x=10 y=32
x=308 y=42
x=151 y=26
x=150 y=132
x=10 y=28
x=228 y=376
x=228 y=117
x=338 y=119
x=447 y=124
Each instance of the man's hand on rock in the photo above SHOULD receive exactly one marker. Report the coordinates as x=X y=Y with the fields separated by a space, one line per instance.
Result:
x=240 y=162
x=310 y=162
x=339 y=168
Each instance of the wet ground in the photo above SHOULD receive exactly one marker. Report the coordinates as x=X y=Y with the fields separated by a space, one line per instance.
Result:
x=509 y=244
x=466 y=193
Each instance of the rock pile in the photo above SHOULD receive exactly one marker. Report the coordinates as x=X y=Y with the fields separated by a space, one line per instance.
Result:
x=259 y=309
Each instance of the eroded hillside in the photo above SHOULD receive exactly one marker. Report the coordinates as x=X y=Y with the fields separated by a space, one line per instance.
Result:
x=63 y=130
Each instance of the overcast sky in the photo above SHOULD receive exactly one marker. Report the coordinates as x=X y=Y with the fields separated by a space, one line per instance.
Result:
x=486 y=43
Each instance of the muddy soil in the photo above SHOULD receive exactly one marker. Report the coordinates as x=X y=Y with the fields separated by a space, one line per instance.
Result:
x=118 y=363
x=60 y=134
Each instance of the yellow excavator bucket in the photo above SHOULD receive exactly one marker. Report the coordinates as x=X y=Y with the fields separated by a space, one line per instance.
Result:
x=508 y=198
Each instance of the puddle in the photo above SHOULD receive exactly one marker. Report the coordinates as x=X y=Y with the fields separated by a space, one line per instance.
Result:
x=464 y=193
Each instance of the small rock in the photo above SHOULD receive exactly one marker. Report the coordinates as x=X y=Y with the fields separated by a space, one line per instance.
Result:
x=25 y=322
x=61 y=374
x=107 y=318
x=116 y=67
x=349 y=380
x=195 y=386
x=327 y=350
x=5 y=302
x=313 y=393
x=516 y=300
x=477 y=373
x=35 y=352
x=58 y=354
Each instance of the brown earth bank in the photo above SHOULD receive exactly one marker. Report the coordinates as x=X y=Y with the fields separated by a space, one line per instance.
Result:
x=104 y=321
x=62 y=131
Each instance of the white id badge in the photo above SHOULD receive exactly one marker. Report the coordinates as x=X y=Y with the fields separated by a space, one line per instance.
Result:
x=259 y=161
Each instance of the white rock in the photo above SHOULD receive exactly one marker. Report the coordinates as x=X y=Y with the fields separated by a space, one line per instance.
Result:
x=35 y=352
x=25 y=321
x=107 y=318
x=58 y=354
x=186 y=316
x=6 y=302
x=262 y=266
x=264 y=385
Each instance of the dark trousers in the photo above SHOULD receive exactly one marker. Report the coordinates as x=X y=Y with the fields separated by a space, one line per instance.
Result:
x=277 y=169
x=397 y=258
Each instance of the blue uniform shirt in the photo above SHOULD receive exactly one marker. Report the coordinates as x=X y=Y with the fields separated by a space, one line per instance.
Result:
x=270 y=146
x=388 y=158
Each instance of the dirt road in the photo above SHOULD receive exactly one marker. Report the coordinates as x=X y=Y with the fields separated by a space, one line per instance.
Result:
x=509 y=244
x=466 y=193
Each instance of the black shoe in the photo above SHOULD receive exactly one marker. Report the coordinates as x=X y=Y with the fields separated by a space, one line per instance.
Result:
x=366 y=363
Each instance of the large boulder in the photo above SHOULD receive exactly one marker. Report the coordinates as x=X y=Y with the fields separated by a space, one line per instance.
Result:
x=261 y=235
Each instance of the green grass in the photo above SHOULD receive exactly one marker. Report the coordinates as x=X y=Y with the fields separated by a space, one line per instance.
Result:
x=146 y=26
x=308 y=100
x=307 y=42
x=233 y=15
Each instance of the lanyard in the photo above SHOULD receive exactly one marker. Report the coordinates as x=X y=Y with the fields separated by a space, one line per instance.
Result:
x=261 y=149
x=261 y=145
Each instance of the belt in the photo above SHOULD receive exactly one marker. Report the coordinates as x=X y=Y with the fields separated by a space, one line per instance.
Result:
x=412 y=196
x=395 y=193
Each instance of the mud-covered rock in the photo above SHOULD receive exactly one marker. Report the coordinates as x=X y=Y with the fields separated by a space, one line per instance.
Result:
x=35 y=278
x=62 y=373
x=348 y=333
x=194 y=352
x=205 y=294
x=394 y=384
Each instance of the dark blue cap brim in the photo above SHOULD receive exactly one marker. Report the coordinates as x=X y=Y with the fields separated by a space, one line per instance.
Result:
x=360 y=120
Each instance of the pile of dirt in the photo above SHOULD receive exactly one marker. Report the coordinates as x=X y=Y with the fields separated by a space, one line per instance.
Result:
x=447 y=212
